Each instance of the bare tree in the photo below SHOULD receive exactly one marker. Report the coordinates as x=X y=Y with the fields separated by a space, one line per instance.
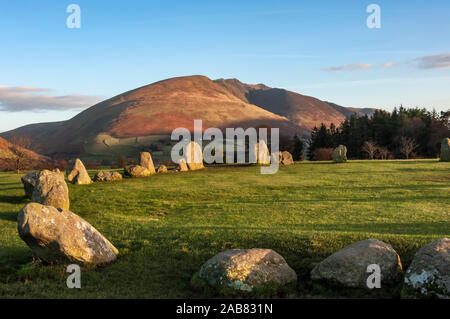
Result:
x=407 y=146
x=19 y=147
x=370 y=148
x=383 y=153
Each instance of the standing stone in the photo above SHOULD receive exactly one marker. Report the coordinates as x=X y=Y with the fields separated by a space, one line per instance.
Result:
x=51 y=189
x=29 y=182
x=104 y=176
x=144 y=169
x=162 y=169
x=340 y=154
x=57 y=235
x=246 y=269
x=445 y=150
x=286 y=158
x=147 y=162
x=429 y=272
x=348 y=266
x=77 y=174
x=182 y=166
x=194 y=156
x=262 y=153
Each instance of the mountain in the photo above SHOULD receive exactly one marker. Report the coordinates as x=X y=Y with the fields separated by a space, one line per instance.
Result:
x=147 y=115
x=305 y=111
x=7 y=153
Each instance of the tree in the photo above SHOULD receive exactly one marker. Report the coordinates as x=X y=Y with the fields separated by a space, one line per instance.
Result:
x=19 y=147
x=297 y=152
x=370 y=148
x=407 y=146
x=383 y=153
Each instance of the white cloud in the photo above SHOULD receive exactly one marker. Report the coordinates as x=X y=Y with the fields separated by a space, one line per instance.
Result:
x=438 y=61
x=24 y=98
x=388 y=65
x=349 y=67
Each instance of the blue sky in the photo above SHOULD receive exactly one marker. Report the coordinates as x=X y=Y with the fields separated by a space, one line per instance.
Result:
x=324 y=49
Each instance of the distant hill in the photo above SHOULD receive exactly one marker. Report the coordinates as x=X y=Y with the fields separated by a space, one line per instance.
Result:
x=147 y=115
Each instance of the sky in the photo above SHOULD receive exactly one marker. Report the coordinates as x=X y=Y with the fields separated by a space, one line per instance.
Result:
x=49 y=72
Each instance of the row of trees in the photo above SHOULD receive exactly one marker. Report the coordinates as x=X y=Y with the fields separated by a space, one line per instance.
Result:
x=404 y=133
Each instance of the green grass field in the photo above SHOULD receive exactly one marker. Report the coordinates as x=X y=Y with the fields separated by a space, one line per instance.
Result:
x=167 y=226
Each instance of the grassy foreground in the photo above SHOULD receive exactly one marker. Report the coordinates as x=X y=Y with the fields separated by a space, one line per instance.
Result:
x=167 y=226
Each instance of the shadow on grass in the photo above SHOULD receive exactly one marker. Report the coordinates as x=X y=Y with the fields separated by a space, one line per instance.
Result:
x=9 y=216
x=13 y=199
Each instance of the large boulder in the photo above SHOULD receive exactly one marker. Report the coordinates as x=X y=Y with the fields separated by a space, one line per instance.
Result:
x=194 y=156
x=77 y=174
x=181 y=166
x=162 y=169
x=348 y=266
x=51 y=189
x=57 y=235
x=247 y=269
x=445 y=150
x=105 y=176
x=262 y=153
x=429 y=272
x=29 y=183
x=147 y=162
x=340 y=154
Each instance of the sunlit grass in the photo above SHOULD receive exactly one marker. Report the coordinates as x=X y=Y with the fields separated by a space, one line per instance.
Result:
x=166 y=226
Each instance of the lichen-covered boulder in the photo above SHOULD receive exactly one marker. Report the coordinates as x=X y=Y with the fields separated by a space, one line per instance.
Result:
x=51 y=189
x=147 y=162
x=262 y=153
x=57 y=235
x=429 y=272
x=286 y=158
x=77 y=174
x=137 y=171
x=105 y=176
x=445 y=150
x=29 y=182
x=161 y=169
x=348 y=266
x=194 y=156
x=340 y=154
x=247 y=269
x=181 y=166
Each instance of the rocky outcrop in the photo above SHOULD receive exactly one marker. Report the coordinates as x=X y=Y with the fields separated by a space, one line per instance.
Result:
x=445 y=150
x=348 y=266
x=77 y=174
x=57 y=235
x=105 y=176
x=51 y=189
x=340 y=154
x=429 y=272
x=247 y=269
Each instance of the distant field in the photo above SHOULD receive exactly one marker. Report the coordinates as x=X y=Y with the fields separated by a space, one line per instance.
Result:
x=167 y=226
